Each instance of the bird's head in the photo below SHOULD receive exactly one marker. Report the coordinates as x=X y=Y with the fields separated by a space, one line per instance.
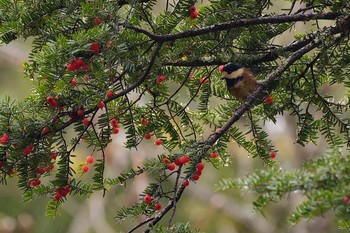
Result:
x=232 y=71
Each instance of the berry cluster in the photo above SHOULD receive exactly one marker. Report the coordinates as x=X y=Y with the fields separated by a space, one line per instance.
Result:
x=114 y=123
x=88 y=160
x=61 y=192
x=76 y=64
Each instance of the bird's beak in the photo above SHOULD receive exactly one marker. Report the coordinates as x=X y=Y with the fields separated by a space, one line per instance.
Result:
x=222 y=78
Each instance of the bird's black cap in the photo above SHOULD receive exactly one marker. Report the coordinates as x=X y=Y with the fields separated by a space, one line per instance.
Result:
x=231 y=67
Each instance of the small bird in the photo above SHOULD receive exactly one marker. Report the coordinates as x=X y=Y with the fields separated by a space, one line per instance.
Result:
x=240 y=81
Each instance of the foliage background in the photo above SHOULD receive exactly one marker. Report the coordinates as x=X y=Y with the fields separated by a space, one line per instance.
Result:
x=211 y=212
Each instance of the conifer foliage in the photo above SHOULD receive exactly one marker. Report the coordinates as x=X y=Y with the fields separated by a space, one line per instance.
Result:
x=99 y=67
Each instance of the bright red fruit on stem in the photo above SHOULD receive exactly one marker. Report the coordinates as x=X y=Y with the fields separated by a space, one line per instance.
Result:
x=213 y=155
x=183 y=159
x=4 y=138
x=158 y=142
x=346 y=199
x=84 y=168
x=268 y=100
x=114 y=123
x=200 y=166
x=115 y=131
x=185 y=183
x=148 y=136
x=51 y=101
x=192 y=9
x=109 y=94
x=73 y=83
x=57 y=197
x=53 y=156
x=89 y=159
x=272 y=155
x=101 y=104
x=195 y=177
x=144 y=122
x=97 y=21
x=160 y=79
x=171 y=166
x=40 y=170
x=157 y=206
x=165 y=161
x=80 y=112
x=86 y=122
x=27 y=150
x=34 y=183
x=147 y=199
x=93 y=48
x=194 y=15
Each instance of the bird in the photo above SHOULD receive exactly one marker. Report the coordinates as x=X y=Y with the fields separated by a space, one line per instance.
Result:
x=240 y=81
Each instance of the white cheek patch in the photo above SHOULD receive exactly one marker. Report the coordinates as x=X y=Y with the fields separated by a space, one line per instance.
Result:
x=236 y=74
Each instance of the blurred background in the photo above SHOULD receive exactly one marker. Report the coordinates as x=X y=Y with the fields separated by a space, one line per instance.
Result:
x=223 y=212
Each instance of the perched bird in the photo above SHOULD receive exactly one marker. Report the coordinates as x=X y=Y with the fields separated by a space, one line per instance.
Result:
x=239 y=80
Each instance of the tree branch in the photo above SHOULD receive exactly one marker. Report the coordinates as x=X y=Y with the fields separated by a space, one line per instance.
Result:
x=276 y=19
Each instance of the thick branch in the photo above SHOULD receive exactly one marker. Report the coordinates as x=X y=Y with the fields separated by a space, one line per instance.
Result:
x=276 y=19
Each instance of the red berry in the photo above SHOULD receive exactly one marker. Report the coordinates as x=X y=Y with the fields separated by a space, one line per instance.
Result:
x=144 y=122
x=268 y=100
x=158 y=142
x=184 y=159
x=160 y=79
x=40 y=170
x=195 y=177
x=157 y=206
x=70 y=67
x=165 y=161
x=203 y=80
x=67 y=189
x=80 y=112
x=147 y=199
x=115 y=130
x=114 y=123
x=194 y=15
x=51 y=101
x=89 y=159
x=345 y=199
x=57 y=197
x=97 y=21
x=109 y=94
x=27 y=150
x=34 y=183
x=86 y=122
x=171 y=166
x=177 y=162
x=93 y=48
x=73 y=83
x=43 y=131
x=77 y=63
x=192 y=9
x=221 y=68
x=101 y=104
x=198 y=172
x=11 y=171
x=185 y=183
x=1 y=164
x=200 y=166
x=213 y=155
x=84 y=168
x=148 y=136
x=53 y=156
x=272 y=155
x=4 y=138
